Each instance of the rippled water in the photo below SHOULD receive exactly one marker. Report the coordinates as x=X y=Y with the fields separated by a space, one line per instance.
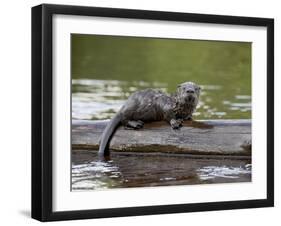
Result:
x=139 y=170
x=101 y=99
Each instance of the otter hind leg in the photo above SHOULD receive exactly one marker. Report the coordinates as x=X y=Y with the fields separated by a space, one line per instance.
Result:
x=134 y=124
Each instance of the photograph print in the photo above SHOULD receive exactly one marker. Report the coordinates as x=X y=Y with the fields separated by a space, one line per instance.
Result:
x=150 y=112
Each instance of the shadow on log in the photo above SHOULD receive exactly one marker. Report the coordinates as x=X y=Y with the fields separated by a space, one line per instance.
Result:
x=224 y=138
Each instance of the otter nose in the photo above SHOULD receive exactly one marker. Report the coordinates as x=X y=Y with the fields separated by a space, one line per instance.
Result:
x=190 y=91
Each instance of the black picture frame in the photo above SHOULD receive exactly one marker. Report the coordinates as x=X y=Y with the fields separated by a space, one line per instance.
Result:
x=42 y=108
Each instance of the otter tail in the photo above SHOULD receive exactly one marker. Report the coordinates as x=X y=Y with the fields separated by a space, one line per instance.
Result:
x=107 y=135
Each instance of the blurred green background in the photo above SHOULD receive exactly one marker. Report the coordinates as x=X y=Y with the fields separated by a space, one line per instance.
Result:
x=107 y=69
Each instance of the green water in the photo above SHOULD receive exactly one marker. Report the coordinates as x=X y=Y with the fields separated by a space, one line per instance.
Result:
x=107 y=69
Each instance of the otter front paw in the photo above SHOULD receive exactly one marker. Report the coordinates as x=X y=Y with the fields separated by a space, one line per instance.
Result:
x=176 y=124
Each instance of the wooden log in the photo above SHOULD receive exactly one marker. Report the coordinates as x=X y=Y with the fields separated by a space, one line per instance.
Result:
x=205 y=137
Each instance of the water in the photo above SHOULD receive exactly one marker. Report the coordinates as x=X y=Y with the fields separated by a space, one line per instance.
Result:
x=142 y=170
x=105 y=70
x=101 y=99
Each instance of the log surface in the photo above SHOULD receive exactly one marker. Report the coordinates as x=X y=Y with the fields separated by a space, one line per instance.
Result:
x=205 y=137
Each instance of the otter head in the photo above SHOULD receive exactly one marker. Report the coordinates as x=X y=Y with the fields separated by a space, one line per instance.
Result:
x=188 y=93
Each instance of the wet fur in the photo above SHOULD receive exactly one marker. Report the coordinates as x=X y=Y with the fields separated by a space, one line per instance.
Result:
x=153 y=105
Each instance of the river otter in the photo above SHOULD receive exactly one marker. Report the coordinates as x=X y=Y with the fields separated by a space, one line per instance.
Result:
x=153 y=105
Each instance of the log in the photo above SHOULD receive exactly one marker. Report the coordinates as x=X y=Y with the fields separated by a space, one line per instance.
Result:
x=196 y=138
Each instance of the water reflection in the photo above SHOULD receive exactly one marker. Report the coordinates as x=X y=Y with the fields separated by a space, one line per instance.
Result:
x=95 y=175
x=139 y=170
x=101 y=99
x=212 y=172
